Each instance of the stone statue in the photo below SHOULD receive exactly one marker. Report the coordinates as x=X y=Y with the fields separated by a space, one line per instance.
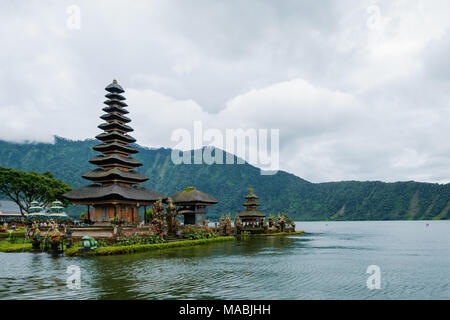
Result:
x=281 y=222
x=34 y=234
x=228 y=228
x=221 y=225
x=117 y=232
x=89 y=243
x=54 y=235
x=265 y=225
x=158 y=220
x=237 y=224
x=171 y=218
x=68 y=235
x=271 y=221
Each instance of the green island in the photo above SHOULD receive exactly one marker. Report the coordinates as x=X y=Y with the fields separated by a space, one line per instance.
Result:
x=120 y=215
x=113 y=250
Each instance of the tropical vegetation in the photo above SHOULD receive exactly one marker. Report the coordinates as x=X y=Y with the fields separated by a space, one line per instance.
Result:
x=282 y=192
x=114 y=250
x=24 y=187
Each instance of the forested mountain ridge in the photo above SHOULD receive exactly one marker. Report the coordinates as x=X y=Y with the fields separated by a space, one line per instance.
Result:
x=282 y=192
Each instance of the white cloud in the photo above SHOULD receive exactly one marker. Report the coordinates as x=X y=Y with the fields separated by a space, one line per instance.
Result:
x=351 y=102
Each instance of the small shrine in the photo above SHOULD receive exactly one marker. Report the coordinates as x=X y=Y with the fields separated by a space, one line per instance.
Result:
x=192 y=203
x=57 y=212
x=36 y=212
x=251 y=219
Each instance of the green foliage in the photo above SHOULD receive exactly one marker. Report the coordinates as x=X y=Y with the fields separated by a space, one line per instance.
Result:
x=149 y=215
x=6 y=246
x=245 y=235
x=140 y=239
x=101 y=243
x=14 y=234
x=282 y=192
x=287 y=219
x=24 y=187
x=113 y=250
x=193 y=233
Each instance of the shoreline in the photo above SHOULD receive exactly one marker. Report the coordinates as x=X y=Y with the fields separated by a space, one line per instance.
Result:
x=7 y=247
x=118 y=250
x=295 y=233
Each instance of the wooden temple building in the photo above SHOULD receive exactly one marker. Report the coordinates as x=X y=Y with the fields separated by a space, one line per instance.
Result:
x=251 y=217
x=192 y=203
x=115 y=192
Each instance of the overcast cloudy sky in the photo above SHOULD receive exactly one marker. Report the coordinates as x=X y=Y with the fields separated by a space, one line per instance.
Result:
x=358 y=89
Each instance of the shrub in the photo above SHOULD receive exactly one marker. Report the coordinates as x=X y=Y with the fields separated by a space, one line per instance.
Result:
x=140 y=239
x=14 y=234
x=113 y=250
x=6 y=246
x=193 y=233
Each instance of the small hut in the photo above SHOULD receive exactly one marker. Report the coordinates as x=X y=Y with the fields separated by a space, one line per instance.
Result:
x=251 y=218
x=192 y=203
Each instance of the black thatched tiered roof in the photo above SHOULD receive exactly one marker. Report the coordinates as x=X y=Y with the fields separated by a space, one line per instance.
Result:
x=251 y=206
x=115 y=109
x=97 y=192
x=114 y=147
x=192 y=196
x=105 y=176
x=115 y=136
x=115 y=172
x=115 y=160
x=115 y=116
x=114 y=125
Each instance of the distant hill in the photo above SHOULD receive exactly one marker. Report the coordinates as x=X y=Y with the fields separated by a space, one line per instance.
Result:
x=282 y=192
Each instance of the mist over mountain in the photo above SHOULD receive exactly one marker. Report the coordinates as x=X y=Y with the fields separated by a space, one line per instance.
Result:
x=282 y=192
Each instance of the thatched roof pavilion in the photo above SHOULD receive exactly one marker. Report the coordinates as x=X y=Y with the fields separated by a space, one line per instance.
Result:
x=251 y=216
x=192 y=203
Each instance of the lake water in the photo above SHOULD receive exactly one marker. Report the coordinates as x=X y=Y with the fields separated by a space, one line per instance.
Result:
x=330 y=262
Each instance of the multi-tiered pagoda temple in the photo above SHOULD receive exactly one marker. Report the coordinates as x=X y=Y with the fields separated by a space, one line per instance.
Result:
x=115 y=192
x=252 y=217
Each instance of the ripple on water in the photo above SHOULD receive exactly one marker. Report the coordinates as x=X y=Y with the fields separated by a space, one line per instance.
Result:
x=328 y=263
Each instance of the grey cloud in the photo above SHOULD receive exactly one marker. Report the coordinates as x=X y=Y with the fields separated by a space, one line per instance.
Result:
x=201 y=55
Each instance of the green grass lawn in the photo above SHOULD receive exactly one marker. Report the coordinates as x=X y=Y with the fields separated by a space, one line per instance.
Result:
x=113 y=250
x=17 y=234
x=6 y=246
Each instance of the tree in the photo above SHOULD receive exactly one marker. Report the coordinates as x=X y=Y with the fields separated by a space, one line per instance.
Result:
x=148 y=215
x=24 y=187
